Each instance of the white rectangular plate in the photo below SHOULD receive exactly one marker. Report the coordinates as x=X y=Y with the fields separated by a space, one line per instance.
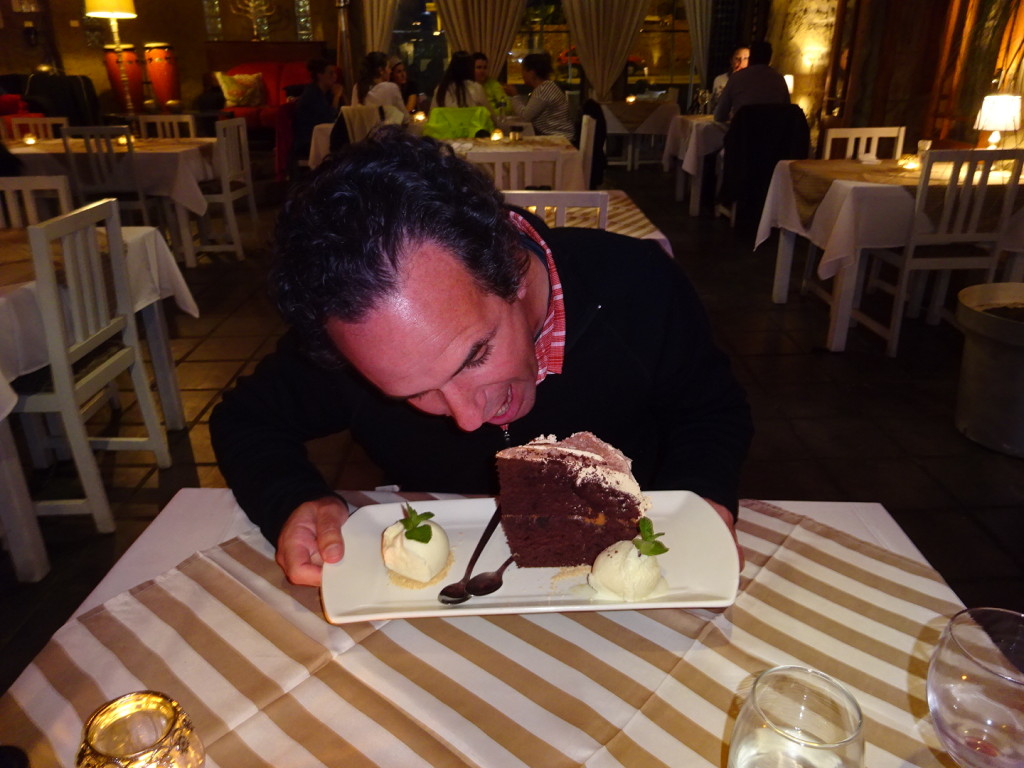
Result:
x=701 y=568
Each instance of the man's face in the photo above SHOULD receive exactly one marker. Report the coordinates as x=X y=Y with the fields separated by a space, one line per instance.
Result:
x=740 y=59
x=480 y=70
x=444 y=345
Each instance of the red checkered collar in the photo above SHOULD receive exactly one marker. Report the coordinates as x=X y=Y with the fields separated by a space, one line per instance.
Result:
x=549 y=346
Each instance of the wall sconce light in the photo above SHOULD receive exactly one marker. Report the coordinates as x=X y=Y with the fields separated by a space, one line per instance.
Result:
x=789 y=82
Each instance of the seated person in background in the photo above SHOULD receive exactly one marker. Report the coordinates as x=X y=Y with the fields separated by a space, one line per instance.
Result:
x=400 y=77
x=458 y=86
x=495 y=93
x=374 y=89
x=548 y=106
x=318 y=103
x=759 y=83
x=426 y=320
x=740 y=60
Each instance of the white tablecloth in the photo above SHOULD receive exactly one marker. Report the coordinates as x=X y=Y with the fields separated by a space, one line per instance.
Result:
x=166 y=167
x=269 y=683
x=690 y=138
x=152 y=272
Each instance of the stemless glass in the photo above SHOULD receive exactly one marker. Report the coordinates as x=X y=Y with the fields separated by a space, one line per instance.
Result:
x=139 y=730
x=976 y=686
x=797 y=718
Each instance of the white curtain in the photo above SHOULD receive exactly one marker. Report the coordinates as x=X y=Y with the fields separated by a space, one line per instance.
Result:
x=379 y=22
x=604 y=32
x=487 y=26
x=698 y=14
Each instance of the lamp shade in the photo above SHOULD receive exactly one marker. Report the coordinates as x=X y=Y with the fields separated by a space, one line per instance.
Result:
x=110 y=9
x=999 y=112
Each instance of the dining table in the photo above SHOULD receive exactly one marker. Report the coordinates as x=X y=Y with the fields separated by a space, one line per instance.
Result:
x=844 y=207
x=153 y=275
x=171 y=168
x=198 y=609
x=690 y=140
x=632 y=120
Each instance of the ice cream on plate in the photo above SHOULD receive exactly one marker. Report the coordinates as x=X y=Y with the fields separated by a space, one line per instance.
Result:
x=628 y=570
x=415 y=549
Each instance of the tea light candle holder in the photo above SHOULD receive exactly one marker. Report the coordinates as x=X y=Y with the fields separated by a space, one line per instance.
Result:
x=122 y=140
x=29 y=138
x=630 y=99
x=140 y=730
x=909 y=162
x=497 y=135
x=420 y=116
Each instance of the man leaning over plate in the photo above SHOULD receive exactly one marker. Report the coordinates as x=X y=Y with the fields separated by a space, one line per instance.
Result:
x=439 y=326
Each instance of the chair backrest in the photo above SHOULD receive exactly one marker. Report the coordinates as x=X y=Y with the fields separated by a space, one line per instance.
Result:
x=864 y=141
x=588 y=133
x=108 y=160
x=167 y=126
x=458 y=122
x=79 y=310
x=963 y=197
x=20 y=198
x=515 y=169
x=42 y=127
x=360 y=121
x=231 y=152
x=587 y=208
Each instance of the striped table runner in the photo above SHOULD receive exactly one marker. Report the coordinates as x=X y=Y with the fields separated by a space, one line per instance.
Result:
x=624 y=218
x=270 y=683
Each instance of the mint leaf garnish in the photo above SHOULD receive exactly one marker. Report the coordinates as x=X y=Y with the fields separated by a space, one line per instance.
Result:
x=647 y=542
x=415 y=524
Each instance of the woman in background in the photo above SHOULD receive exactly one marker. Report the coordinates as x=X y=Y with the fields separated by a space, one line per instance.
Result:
x=492 y=88
x=548 y=106
x=400 y=77
x=373 y=89
x=458 y=87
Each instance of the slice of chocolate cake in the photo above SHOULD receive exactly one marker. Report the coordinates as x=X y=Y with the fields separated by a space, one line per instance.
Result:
x=563 y=502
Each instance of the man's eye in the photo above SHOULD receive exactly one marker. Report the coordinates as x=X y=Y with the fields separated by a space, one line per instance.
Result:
x=480 y=359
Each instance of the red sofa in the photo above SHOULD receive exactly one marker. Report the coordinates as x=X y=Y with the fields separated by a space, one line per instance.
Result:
x=277 y=112
x=12 y=105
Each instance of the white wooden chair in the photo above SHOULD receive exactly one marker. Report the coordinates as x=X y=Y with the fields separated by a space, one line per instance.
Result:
x=233 y=182
x=863 y=141
x=359 y=121
x=962 y=232
x=22 y=198
x=167 y=126
x=42 y=127
x=588 y=208
x=514 y=169
x=109 y=167
x=588 y=133
x=91 y=339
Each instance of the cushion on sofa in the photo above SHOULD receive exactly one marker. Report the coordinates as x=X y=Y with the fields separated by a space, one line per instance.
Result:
x=242 y=90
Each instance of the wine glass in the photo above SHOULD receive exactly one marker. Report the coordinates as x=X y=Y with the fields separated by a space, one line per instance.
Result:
x=797 y=718
x=976 y=686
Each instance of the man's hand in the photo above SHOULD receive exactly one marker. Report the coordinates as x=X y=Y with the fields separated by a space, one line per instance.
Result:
x=727 y=518
x=510 y=90
x=311 y=537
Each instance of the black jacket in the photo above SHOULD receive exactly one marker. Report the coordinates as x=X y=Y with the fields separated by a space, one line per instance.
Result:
x=641 y=372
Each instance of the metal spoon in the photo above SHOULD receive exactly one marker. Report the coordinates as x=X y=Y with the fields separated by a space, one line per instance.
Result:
x=486 y=583
x=456 y=592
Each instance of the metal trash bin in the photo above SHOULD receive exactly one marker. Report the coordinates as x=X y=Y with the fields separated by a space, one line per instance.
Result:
x=990 y=401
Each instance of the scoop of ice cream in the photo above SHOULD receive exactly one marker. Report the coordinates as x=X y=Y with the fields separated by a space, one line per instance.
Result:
x=620 y=572
x=416 y=560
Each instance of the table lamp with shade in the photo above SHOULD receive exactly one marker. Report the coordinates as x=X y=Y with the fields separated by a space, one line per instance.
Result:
x=114 y=10
x=999 y=112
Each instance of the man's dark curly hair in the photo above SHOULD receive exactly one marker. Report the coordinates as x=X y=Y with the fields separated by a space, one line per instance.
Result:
x=343 y=234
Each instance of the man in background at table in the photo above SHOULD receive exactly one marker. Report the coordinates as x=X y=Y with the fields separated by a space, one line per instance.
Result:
x=759 y=83
x=740 y=59
x=440 y=327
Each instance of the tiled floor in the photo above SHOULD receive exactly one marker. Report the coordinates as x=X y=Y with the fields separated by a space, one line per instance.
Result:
x=848 y=426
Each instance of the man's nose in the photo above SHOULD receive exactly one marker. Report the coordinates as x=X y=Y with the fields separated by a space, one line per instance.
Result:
x=465 y=405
